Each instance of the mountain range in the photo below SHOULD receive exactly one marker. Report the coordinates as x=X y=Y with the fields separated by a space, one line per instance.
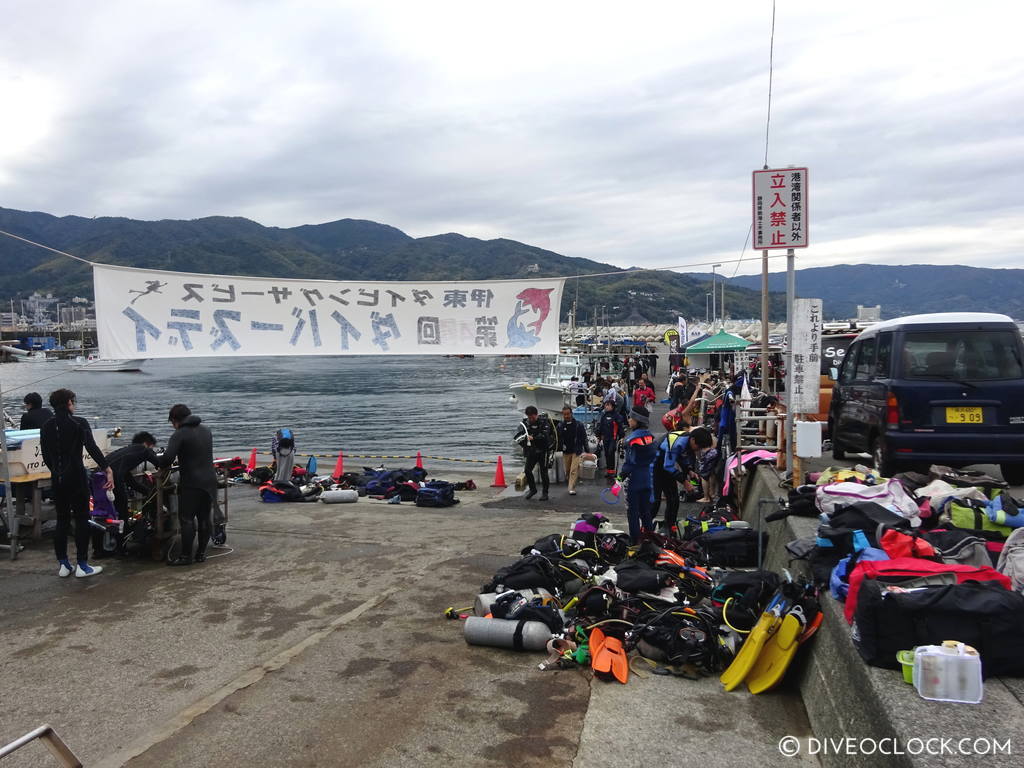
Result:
x=903 y=290
x=352 y=249
x=347 y=249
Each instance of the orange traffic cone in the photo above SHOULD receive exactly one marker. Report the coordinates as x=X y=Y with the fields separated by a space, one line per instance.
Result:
x=339 y=467
x=252 y=461
x=419 y=460
x=499 y=476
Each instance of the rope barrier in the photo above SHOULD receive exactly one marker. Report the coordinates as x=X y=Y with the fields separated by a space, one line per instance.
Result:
x=383 y=456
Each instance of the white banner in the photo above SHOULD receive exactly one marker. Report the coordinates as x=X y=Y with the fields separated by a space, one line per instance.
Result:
x=682 y=330
x=805 y=343
x=780 y=208
x=143 y=313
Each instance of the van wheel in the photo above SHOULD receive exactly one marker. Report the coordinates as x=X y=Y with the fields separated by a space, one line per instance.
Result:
x=884 y=464
x=1013 y=473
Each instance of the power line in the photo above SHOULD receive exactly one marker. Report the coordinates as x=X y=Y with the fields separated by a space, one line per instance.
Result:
x=48 y=248
x=771 y=67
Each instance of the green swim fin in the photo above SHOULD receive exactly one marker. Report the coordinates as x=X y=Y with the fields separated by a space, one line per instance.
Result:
x=777 y=653
x=744 y=661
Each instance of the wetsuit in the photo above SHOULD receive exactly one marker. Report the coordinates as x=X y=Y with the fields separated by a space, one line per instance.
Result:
x=641 y=451
x=62 y=440
x=35 y=418
x=537 y=439
x=669 y=469
x=122 y=463
x=192 y=445
x=609 y=429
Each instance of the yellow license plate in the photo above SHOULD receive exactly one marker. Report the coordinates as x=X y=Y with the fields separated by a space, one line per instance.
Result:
x=963 y=415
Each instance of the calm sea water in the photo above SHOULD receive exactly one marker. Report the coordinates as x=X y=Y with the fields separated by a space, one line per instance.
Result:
x=389 y=405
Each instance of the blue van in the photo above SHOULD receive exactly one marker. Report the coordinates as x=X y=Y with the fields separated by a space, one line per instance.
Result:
x=945 y=388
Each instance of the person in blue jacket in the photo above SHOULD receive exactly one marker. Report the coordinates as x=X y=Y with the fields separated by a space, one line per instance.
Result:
x=671 y=467
x=638 y=467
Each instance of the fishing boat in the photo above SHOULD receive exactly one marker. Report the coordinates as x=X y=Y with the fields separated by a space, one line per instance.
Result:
x=102 y=364
x=552 y=393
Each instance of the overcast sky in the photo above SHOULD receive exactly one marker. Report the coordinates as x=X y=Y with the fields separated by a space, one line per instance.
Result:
x=621 y=132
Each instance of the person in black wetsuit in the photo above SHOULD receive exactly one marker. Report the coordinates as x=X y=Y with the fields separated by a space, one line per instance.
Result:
x=35 y=415
x=537 y=437
x=62 y=440
x=192 y=445
x=122 y=463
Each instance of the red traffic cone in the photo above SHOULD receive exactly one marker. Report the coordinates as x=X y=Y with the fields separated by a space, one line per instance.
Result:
x=499 y=476
x=419 y=460
x=339 y=467
x=252 y=461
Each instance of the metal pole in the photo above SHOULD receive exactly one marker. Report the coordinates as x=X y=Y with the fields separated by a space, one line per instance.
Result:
x=12 y=530
x=714 y=296
x=790 y=298
x=723 y=302
x=766 y=382
x=707 y=308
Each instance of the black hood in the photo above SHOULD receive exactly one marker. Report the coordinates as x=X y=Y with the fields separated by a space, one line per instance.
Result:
x=191 y=421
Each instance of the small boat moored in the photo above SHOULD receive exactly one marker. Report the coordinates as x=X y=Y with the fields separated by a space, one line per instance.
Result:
x=94 y=363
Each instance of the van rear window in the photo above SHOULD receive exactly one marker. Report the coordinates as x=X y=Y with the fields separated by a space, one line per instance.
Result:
x=962 y=355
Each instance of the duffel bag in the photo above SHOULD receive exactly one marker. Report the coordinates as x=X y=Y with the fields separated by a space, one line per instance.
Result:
x=972 y=515
x=901 y=569
x=889 y=494
x=981 y=614
x=436 y=493
x=731 y=547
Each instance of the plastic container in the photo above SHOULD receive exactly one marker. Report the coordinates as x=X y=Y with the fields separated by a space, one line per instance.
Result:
x=948 y=672
x=588 y=469
x=906 y=660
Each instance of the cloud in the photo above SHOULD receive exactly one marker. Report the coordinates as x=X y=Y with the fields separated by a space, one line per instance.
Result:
x=621 y=134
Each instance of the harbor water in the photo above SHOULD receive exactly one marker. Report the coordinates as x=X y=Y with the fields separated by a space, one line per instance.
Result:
x=374 y=405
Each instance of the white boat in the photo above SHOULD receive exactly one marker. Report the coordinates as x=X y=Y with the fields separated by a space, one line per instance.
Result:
x=551 y=394
x=94 y=363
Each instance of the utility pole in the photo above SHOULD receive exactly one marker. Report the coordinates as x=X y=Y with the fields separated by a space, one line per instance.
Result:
x=790 y=298
x=765 y=381
x=707 y=308
x=714 y=294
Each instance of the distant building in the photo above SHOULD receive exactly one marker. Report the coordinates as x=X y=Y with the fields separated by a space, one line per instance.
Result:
x=869 y=314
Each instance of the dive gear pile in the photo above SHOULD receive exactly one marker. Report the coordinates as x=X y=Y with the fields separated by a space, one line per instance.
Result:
x=592 y=601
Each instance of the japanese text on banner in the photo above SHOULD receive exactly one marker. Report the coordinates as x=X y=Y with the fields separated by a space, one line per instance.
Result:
x=151 y=314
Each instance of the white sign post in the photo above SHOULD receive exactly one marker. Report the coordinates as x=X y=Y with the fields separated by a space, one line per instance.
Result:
x=805 y=343
x=780 y=208
x=681 y=326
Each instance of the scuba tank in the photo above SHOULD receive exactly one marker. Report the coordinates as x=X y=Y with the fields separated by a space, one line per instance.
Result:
x=340 y=496
x=284 y=454
x=507 y=633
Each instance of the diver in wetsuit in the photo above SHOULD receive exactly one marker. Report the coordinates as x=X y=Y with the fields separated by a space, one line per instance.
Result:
x=62 y=440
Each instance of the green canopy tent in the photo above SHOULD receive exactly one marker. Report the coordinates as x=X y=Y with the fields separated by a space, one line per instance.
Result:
x=720 y=342
x=709 y=352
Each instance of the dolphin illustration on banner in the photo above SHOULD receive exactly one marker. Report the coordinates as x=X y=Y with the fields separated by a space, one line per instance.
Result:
x=537 y=300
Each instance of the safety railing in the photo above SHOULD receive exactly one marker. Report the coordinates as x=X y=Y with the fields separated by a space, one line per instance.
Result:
x=51 y=741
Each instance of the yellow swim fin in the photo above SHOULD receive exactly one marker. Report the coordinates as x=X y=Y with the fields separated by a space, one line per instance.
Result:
x=777 y=653
x=741 y=665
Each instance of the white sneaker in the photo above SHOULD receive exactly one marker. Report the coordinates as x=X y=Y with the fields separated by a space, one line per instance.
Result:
x=65 y=570
x=87 y=570
x=572 y=493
